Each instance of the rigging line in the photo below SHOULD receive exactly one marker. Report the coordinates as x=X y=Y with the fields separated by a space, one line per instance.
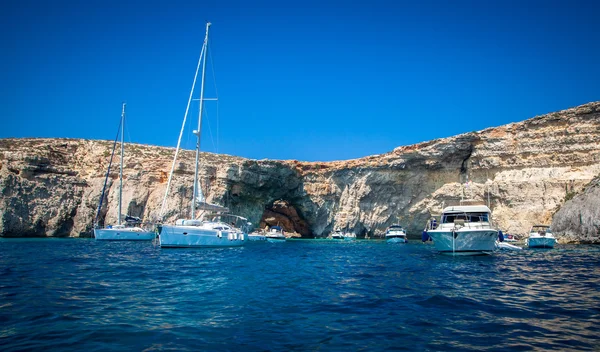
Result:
x=187 y=109
x=209 y=128
x=125 y=128
x=107 y=173
x=218 y=118
x=188 y=136
x=212 y=67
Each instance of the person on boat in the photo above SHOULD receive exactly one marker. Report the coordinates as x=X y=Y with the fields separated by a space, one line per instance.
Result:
x=433 y=223
x=425 y=236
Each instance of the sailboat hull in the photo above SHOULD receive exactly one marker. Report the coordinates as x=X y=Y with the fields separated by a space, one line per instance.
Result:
x=124 y=234
x=193 y=236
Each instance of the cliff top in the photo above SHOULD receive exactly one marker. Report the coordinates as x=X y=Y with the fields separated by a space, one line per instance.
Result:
x=560 y=118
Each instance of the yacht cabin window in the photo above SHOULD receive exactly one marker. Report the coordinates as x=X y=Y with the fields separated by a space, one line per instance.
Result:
x=467 y=217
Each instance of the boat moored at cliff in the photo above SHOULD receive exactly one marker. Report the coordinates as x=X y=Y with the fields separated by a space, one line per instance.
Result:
x=257 y=236
x=122 y=233
x=510 y=238
x=131 y=230
x=465 y=230
x=339 y=235
x=540 y=236
x=349 y=236
x=208 y=228
x=219 y=230
x=275 y=235
x=395 y=234
x=336 y=235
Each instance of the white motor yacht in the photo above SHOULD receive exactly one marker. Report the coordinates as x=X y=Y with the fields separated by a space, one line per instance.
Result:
x=465 y=230
x=540 y=236
x=275 y=234
x=395 y=234
x=349 y=236
x=336 y=235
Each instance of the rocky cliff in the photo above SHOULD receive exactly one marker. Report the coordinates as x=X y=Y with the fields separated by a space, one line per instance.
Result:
x=578 y=220
x=525 y=171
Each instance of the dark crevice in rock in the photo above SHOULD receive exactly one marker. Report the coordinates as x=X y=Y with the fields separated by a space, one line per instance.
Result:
x=464 y=167
x=285 y=214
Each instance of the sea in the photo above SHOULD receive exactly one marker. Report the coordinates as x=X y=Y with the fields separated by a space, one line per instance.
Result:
x=301 y=295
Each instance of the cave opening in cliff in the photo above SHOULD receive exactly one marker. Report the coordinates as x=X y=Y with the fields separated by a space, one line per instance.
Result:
x=283 y=213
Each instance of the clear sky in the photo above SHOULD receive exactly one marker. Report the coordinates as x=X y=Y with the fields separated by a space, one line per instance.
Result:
x=306 y=80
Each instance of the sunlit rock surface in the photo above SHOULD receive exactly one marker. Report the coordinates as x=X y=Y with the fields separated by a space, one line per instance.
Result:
x=525 y=171
x=578 y=220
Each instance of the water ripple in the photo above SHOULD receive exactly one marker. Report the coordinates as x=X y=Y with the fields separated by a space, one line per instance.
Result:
x=76 y=294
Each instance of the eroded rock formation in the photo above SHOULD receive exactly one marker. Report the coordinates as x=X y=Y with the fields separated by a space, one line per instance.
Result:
x=283 y=214
x=578 y=220
x=526 y=170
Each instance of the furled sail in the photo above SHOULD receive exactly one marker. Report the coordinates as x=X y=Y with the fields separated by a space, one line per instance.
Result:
x=202 y=204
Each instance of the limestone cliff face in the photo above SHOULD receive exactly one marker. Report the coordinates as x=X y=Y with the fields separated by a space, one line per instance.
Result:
x=51 y=187
x=578 y=220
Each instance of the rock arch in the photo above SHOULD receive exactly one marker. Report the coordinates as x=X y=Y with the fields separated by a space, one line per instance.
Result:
x=285 y=214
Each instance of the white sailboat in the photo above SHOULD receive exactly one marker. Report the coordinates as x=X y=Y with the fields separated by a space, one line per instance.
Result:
x=214 y=227
x=131 y=230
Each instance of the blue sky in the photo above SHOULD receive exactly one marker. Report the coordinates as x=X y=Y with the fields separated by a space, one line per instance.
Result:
x=306 y=80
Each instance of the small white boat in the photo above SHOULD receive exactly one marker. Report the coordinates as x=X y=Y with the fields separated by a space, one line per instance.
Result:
x=540 y=236
x=510 y=238
x=131 y=230
x=465 y=230
x=340 y=235
x=508 y=246
x=217 y=230
x=275 y=235
x=257 y=236
x=349 y=236
x=395 y=234
x=336 y=235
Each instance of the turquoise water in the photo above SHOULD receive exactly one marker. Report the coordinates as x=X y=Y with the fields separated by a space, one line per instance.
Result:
x=79 y=294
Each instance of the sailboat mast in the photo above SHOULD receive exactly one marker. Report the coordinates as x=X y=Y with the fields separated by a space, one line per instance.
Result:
x=198 y=131
x=121 y=168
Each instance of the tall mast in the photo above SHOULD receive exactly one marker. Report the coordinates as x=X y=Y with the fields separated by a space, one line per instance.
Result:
x=198 y=131
x=121 y=168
